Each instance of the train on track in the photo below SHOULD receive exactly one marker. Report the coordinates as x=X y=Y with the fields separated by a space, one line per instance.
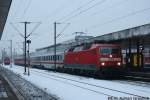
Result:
x=93 y=58
x=7 y=61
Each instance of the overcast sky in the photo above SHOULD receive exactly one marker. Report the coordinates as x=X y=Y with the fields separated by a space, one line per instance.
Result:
x=94 y=17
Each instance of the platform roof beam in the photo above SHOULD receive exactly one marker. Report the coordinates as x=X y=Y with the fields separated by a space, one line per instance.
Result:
x=4 y=9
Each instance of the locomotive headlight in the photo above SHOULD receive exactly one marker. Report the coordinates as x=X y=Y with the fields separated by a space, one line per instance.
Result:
x=118 y=63
x=103 y=64
x=110 y=56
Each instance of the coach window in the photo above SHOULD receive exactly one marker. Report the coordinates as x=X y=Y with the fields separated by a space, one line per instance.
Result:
x=58 y=57
x=35 y=58
x=46 y=58
x=49 y=58
x=53 y=57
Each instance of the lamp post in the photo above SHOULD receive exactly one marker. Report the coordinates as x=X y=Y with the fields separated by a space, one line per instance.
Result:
x=28 y=42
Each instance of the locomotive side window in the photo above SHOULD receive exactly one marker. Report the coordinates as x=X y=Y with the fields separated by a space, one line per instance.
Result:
x=87 y=46
x=106 y=51
x=79 y=48
x=115 y=51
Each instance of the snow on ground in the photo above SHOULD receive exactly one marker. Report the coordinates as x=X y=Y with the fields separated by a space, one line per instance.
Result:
x=67 y=87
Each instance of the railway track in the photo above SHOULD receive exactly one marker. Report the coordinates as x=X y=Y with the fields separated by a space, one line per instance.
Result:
x=99 y=89
x=128 y=76
x=57 y=78
x=136 y=83
x=137 y=76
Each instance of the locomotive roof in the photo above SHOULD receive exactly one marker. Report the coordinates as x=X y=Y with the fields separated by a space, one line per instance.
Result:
x=104 y=45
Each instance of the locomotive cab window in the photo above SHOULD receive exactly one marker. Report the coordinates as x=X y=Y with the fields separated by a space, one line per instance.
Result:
x=106 y=51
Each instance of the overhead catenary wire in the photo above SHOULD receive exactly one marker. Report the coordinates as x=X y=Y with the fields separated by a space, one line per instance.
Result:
x=77 y=9
x=63 y=30
x=26 y=9
x=54 y=12
x=16 y=29
x=34 y=29
x=17 y=7
x=119 y=18
x=110 y=7
x=84 y=10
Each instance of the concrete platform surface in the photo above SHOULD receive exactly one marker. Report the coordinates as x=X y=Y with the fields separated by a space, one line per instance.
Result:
x=6 y=92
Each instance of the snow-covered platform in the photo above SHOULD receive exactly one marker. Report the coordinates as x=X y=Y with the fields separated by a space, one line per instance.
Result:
x=24 y=89
x=70 y=87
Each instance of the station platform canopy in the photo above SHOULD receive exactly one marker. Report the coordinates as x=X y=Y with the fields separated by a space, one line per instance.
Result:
x=131 y=33
x=4 y=9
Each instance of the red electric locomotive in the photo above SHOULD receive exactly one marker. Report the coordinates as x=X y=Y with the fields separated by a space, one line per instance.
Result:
x=103 y=59
x=6 y=61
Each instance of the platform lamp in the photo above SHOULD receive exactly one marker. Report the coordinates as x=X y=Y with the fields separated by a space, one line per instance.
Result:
x=28 y=42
